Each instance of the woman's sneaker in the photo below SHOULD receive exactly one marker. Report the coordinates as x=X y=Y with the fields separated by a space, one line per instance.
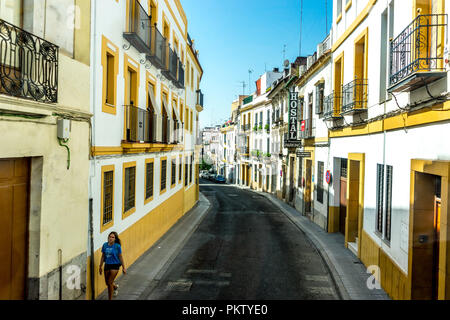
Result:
x=116 y=290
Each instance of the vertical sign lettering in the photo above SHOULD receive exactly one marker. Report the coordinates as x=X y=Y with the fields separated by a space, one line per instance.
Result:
x=293 y=110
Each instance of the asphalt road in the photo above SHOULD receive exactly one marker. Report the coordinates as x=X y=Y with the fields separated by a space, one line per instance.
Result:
x=246 y=249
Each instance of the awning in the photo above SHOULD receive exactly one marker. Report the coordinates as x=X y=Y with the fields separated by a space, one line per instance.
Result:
x=177 y=113
x=156 y=107
x=166 y=108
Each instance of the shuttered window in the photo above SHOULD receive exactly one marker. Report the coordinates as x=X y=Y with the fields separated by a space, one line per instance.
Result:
x=108 y=183
x=379 y=205
x=149 y=180
x=319 y=98
x=163 y=174
x=388 y=209
x=320 y=168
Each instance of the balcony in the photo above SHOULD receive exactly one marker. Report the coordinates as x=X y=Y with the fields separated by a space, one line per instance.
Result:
x=354 y=96
x=171 y=68
x=332 y=106
x=138 y=31
x=140 y=125
x=417 y=54
x=307 y=129
x=157 y=54
x=180 y=82
x=28 y=65
x=199 y=98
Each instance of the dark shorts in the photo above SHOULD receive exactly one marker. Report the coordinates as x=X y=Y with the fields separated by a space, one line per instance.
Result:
x=112 y=267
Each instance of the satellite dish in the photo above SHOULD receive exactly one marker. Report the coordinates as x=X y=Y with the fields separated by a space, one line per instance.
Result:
x=286 y=63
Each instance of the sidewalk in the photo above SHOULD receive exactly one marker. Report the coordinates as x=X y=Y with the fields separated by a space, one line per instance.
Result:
x=147 y=270
x=349 y=273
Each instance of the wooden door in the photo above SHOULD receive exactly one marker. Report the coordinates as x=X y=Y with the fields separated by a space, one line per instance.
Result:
x=308 y=186
x=437 y=231
x=343 y=204
x=14 y=198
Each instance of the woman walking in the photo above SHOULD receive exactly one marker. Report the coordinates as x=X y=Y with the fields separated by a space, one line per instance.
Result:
x=112 y=257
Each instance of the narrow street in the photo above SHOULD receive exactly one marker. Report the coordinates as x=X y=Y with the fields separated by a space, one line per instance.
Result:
x=245 y=248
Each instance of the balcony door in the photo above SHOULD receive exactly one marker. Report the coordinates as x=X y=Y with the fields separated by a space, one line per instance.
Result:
x=359 y=89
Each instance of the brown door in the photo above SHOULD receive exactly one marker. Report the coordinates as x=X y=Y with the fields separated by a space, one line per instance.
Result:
x=343 y=205
x=308 y=179
x=283 y=195
x=437 y=222
x=14 y=197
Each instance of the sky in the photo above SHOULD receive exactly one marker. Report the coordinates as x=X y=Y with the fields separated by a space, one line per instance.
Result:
x=235 y=36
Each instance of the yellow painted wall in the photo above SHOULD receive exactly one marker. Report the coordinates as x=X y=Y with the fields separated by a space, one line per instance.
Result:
x=137 y=239
x=392 y=279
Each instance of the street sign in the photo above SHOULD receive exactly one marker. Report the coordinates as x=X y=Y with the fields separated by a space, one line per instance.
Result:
x=328 y=177
x=292 y=144
x=303 y=154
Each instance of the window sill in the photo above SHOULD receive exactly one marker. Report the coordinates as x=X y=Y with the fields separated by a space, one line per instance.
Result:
x=128 y=213
x=348 y=5
x=339 y=18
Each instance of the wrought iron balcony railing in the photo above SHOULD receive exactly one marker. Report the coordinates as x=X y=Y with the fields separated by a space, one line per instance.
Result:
x=171 y=66
x=180 y=82
x=157 y=54
x=354 y=96
x=141 y=125
x=419 y=48
x=138 y=31
x=28 y=65
x=307 y=129
x=199 y=98
x=332 y=106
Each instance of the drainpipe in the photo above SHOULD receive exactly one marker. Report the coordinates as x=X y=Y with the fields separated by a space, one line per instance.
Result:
x=60 y=273
x=91 y=176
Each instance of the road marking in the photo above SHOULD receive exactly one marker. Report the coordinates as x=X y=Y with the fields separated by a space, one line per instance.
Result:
x=316 y=278
x=320 y=290
x=180 y=285
x=212 y=283
x=201 y=271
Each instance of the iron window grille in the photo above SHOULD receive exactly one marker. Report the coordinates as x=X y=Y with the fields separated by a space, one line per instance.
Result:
x=149 y=180
x=380 y=192
x=320 y=98
x=174 y=172
x=388 y=208
x=130 y=185
x=320 y=169
x=28 y=65
x=108 y=184
x=163 y=174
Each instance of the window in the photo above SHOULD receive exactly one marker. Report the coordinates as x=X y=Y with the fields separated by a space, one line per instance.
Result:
x=300 y=173
x=190 y=170
x=180 y=169
x=174 y=171
x=379 y=205
x=163 y=174
x=319 y=98
x=388 y=208
x=129 y=185
x=338 y=9
x=190 y=124
x=320 y=168
x=149 y=177
x=110 y=71
x=186 y=172
x=187 y=119
x=107 y=197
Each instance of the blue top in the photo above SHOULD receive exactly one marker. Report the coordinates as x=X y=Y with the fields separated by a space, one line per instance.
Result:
x=112 y=253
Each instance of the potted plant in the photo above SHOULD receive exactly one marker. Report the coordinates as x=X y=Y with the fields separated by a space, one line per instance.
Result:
x=260 y=127
x=255 y=128
x=267 y=127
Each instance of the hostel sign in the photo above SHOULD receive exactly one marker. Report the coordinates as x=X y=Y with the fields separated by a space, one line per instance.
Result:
x=293 y=111
x=292 y=140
